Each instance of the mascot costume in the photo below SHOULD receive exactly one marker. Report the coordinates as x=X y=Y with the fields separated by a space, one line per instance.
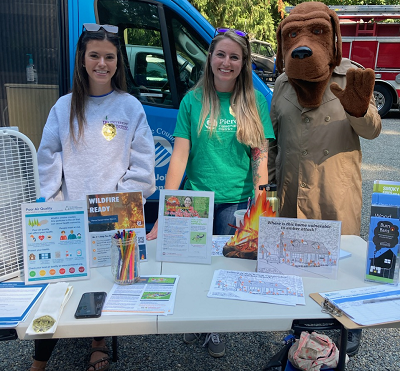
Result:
x=320 y=106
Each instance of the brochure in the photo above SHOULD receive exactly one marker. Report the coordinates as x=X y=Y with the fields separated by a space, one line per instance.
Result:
x=109 y=212
x=302 y=247
x=185 y=226
x=383 y=250
x=152 y=295
x=55 y=236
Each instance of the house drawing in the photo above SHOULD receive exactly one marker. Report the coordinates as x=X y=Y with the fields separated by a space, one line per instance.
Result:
x=299 y=252
x=383 y=265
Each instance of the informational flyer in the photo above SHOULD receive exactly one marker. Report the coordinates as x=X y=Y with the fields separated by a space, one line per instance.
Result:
x=306 y=248
x=55 y=236
x=185 y=226
x=17 y=300
x=383 y=250
x=152 y=295
x=108 y=213
x=218 y=243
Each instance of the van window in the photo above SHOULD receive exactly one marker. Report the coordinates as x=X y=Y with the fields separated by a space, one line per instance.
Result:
x=191 y=52
x=161 y=65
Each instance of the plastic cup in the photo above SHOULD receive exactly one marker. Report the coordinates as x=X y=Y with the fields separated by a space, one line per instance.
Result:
x=125 y=260
x=239 y=215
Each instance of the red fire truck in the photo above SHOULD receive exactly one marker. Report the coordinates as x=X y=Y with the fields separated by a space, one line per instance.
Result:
x=373 y=43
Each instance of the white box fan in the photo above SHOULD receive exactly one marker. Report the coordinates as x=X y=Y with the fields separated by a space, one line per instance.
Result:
x=19 y=182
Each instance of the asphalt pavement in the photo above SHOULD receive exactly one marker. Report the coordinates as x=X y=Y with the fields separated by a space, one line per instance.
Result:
x=379 y=351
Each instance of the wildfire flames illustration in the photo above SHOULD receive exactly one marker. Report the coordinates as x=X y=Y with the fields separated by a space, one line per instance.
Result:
x=244 y=243
x=131 y=212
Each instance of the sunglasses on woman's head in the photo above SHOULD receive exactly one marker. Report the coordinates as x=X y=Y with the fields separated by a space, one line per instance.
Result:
x=93 y=27
x=225 y=29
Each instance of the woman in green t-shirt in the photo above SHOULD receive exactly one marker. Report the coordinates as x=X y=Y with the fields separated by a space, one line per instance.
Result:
x=221 y=139
x=222 y=132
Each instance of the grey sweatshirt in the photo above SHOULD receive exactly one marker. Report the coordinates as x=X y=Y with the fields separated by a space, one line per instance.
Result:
x=116 y=152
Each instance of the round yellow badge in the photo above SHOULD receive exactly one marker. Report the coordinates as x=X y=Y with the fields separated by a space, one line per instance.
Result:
x=43 y=324
x=109 y=131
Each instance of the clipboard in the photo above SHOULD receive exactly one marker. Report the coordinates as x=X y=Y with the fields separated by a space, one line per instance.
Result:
x=335 y=312
x=344 y=319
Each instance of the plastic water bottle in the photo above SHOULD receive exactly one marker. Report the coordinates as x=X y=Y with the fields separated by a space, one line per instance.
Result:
x=272 y=196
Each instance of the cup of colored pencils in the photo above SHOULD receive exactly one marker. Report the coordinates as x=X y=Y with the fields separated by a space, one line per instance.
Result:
x=125 y=257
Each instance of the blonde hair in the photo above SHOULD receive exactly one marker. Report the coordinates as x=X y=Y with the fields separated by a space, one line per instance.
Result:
x=243 y=101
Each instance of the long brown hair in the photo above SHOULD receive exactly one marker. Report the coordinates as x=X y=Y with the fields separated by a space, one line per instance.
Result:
x=243 y=101
x=80 y=81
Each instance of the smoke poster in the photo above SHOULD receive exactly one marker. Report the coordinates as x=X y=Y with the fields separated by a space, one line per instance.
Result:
x=306 y=248
x=55 y=239
x=109 y=213
x=383 y=250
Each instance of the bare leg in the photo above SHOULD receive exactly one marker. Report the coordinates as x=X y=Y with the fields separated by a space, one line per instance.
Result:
x=98 y=355
x=38 y=365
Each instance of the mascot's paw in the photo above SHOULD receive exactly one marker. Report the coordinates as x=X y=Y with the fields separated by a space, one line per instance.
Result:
x=357 y=94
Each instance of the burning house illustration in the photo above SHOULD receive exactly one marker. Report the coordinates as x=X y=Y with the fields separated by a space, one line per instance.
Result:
x=298 y=252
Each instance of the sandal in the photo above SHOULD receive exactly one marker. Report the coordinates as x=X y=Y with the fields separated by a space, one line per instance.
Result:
x=91 y=366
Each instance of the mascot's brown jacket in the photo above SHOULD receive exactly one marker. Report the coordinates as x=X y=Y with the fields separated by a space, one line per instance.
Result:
x=320 y=106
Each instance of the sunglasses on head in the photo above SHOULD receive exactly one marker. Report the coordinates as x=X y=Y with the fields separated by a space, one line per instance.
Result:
x=93 y=27
x=220 y=30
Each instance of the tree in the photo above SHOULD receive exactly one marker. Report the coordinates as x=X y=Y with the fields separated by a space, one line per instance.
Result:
x=260 y=18
x=253 y=16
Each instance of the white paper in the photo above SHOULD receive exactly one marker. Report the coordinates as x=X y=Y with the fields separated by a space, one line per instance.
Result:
x=53 y=303
x=55 y=236
x=185 y=229
x=152 y=295
x=260 y=287
x=368 y=306
x=218 y=243
x=307 y=248
x=16 y=300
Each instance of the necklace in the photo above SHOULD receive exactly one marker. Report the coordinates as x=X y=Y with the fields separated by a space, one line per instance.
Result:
x=99 y=99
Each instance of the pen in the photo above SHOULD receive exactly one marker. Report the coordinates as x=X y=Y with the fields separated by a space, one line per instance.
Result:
x=378 y=300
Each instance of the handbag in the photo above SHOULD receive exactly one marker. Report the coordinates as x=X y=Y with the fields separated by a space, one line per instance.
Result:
x=313 y=352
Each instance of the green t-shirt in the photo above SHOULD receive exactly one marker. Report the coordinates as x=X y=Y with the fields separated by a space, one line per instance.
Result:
x=218 y=163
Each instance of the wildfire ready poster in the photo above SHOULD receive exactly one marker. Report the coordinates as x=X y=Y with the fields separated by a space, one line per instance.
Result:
x=111 y=212
x=185 y=226
x=306 y=248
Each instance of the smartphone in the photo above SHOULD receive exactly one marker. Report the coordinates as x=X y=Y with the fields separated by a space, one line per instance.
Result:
x=90 y=305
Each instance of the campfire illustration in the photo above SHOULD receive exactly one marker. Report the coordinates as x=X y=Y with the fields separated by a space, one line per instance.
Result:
x=244 y=243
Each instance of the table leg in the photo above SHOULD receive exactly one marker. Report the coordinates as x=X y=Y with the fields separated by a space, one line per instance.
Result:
x=343 y=346
x=115 y=348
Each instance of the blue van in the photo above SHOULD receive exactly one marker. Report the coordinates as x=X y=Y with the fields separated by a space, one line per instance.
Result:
x=165 y=47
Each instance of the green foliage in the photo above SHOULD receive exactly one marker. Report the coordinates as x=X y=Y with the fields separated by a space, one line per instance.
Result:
x=253 y=16
x=260 y=18
x=142 y=37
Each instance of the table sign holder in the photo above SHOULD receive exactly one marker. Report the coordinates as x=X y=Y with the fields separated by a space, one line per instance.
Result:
x=185 y=226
